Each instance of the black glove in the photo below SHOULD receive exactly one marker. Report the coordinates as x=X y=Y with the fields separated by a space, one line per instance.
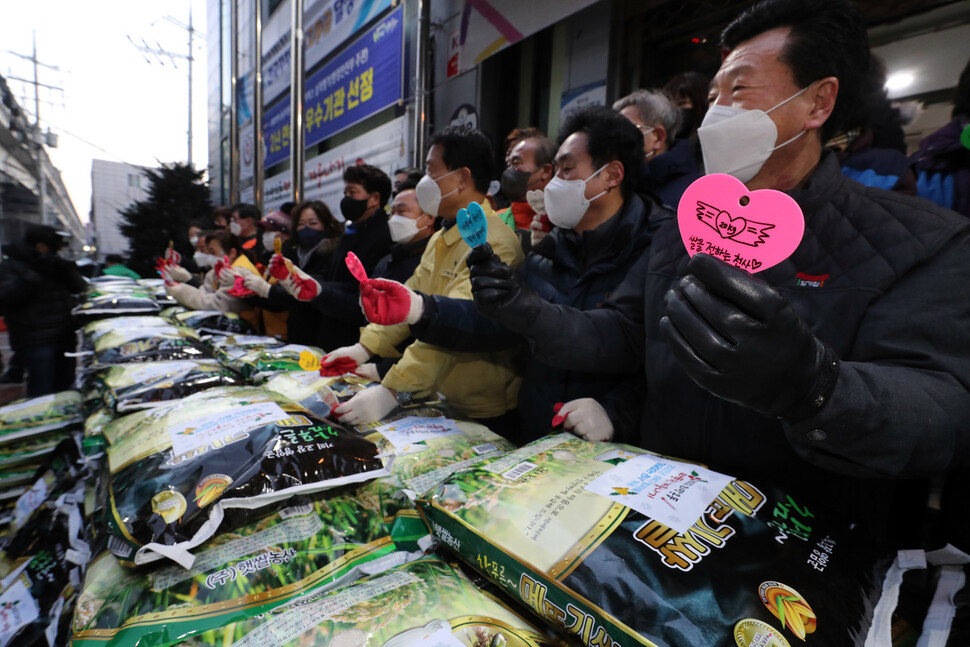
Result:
x=498 y=291
x=740 y=339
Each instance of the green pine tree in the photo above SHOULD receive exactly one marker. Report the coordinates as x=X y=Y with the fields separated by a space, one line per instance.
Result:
x=177 y=195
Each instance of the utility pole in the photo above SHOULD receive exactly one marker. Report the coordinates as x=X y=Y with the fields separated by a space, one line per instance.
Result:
x=158 y=52
x=36 y=136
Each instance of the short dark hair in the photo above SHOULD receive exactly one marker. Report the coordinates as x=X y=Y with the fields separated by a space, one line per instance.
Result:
x=199 y=224
x=373 y=179
x=410 y=181
x=827 y=38
x=469 y=149
x=245 y=210
x=518 y=134
x=331 y=228
x=545 y=150
x=609 y=136
x=114 y=259
x=226 y=240
x=287 y=207
x=223 y=212
x=693 y=86
x=44 y=234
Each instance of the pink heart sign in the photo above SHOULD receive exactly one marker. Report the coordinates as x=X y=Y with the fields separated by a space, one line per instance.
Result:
x=753 y=230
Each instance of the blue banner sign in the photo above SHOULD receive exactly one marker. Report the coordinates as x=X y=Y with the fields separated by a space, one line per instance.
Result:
x=363 y=79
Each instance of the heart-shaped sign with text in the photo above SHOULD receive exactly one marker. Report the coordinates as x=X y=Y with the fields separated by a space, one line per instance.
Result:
x=753 y=230
x=472 y=225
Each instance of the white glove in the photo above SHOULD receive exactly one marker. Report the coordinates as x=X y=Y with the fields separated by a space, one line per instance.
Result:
x=367 y=406
x=344 y=360
x=178 y=273
x=368 y=370
x=537 y=230
x=255 y=283
x=587 y=419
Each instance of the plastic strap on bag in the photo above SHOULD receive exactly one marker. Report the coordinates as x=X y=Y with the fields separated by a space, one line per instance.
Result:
x=939 y=617
x=880 y=631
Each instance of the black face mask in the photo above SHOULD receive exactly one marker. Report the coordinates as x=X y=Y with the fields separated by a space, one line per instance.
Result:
x=514 y=184
x=353 y=209
x=309 y=237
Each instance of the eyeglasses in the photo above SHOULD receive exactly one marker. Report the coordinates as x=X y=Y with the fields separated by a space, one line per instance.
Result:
x=644 y=129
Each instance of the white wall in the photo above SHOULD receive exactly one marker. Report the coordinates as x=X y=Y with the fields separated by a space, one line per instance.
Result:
x=112 y=193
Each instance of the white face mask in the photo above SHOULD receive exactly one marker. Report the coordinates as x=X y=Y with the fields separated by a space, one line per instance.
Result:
x=738 y=141
x=403 y=229
x=268 y=238
x=235 y=228
x=429 y=195
x=566 y=202
x=194 y=240
x=203 y=259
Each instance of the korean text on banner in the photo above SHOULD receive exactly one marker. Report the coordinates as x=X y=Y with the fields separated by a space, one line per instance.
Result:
x=327 y=24
x=276 y=132
x=362 y=80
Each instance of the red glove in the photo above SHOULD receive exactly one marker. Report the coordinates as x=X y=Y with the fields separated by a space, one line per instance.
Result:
x=239 y=288
x=221 y=266
x=162 y=267
x=279 y=267
x=388 y=302
x=558 y=419
x=172 y=256
x=337 y=367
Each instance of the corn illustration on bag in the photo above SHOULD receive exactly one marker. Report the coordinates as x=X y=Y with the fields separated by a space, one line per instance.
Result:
x=177 y=471
x=749 y=565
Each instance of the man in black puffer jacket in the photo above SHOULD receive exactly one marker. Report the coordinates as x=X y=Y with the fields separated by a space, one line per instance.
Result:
x=835 y=373
x=37 y=289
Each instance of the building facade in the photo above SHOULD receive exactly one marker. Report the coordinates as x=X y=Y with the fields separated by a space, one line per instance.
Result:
x=31 y=189
x=114 y=187
x=298 y=89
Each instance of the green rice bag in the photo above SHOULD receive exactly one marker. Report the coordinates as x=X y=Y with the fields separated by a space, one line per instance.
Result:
x=149 y=344
x=29 y=418
x=129 y=387
x=169 y=313
x=214 y=321
x=176 y=471
x=426 y=602
x=757 y=567
x=96 y=329
x=258 y=364
x=30 y=450
x=13 y=477
x=115 y=304
x=301 y=549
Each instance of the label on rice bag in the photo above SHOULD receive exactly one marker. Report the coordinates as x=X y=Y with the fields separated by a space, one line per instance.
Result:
x=529 y=522
x=148 y=344
x=236 y=575
x=177 y=473
x=30 y=450
x=426 y=599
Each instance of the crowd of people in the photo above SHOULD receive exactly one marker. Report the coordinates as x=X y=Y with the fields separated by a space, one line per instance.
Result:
x=843 y=372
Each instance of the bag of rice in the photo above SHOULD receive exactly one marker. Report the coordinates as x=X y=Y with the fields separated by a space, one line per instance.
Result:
x=237 y=575
x=620 y=547
x=42 y=566
x=149 y=344
x=260 y=363
x=426 y=602
x=129 y=387
x=214 y=321
x=24 y=419
x=178 y=469
x=115 y=305
x=306 y=387
x=100 y=327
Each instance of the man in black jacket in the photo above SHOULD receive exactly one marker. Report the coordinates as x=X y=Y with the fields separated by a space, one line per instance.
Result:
x=844 y=366
x=36 y=298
